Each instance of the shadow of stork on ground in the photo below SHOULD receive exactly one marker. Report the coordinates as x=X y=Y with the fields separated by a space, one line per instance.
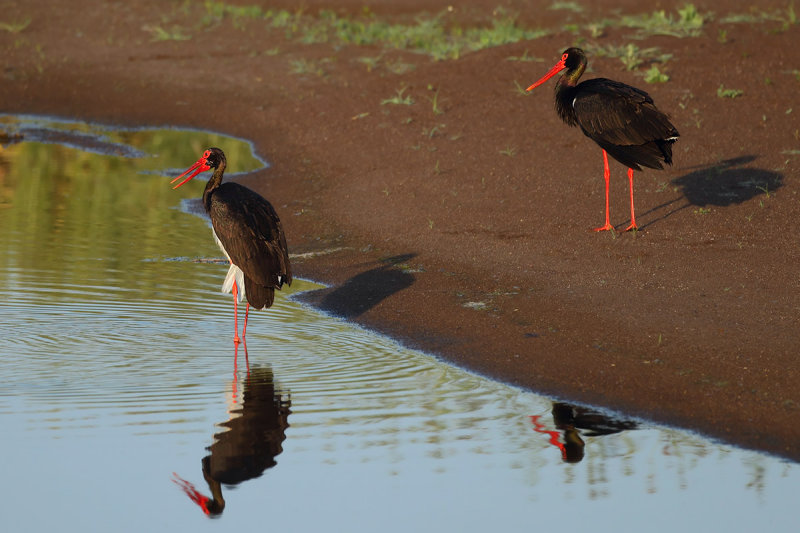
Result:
x=728 y=182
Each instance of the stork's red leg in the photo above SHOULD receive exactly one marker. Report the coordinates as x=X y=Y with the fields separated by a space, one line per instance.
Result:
x=244 y=329
x=235 y=382
x=633 y=215
x=607 y=175
x=235 y=313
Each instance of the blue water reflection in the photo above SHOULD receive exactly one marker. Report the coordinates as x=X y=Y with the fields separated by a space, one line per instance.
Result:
x=118 y=374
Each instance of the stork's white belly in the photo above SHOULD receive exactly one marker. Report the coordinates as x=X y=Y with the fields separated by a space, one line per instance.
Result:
x=234 y=275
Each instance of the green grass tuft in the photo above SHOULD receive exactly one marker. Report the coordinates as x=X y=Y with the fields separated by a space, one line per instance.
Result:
x=631 y=56
x=431 y=35
x=654 y=75
x=308 y=67
x=787 y=17
x=688 y=23
x=722 y=92
x=398 y=98
x=575 y=7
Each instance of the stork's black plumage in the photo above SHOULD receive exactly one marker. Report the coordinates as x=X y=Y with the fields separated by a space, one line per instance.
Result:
x=248 y=231
x=621 y=119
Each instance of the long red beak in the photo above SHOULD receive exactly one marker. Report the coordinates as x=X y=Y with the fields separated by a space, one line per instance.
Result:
x=200 y=166
x=195 y=495
x=553 y=71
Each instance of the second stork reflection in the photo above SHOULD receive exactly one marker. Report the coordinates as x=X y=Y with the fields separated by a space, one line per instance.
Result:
x=251 y=440
x=574 y=421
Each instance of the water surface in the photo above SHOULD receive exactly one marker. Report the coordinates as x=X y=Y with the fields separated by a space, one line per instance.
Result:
x=122 y=393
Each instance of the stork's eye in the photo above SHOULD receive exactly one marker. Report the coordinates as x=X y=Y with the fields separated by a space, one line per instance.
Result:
x=206 y=153
x=564 y=56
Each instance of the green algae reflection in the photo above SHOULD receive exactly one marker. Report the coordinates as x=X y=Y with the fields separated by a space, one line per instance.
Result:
x=82 y=205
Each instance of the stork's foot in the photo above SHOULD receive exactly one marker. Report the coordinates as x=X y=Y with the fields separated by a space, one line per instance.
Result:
x=607 y=227
x=632 y=227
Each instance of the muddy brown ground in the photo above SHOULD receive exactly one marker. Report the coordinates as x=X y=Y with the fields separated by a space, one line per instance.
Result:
x=467 y=233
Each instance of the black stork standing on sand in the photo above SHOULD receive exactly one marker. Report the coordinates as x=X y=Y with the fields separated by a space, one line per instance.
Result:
x=250 y=234
x=622 y=119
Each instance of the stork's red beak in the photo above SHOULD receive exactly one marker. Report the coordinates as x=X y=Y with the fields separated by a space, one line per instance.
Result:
x=200 y=166
x=195 y=495
x=553 y=71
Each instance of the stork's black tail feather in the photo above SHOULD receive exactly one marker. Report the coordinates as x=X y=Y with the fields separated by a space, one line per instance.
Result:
x=259 y=296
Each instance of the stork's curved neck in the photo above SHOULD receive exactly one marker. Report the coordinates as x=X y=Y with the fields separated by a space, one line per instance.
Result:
x=564 y=98
x=213 y=183
x=570 y=77
x=216 y=504
x=566 y=89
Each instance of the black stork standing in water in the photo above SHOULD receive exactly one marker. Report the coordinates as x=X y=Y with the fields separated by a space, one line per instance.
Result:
x=250 y=234
x=622 y=119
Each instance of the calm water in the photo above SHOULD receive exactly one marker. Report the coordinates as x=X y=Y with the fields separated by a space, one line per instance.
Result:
x=120 y=387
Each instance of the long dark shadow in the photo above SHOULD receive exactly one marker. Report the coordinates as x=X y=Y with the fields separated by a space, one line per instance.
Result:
x=722 y=184
x=364 y=291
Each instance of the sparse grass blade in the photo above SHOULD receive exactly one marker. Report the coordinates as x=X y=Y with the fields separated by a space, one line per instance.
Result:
x=158 y=33
x=15 y=27
x=520 y=90
x=509 y=151
x=398 y=98
x=525 y=58
x=435 y=101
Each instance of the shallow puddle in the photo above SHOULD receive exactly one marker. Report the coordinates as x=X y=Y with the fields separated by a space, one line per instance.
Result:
x=124 y=404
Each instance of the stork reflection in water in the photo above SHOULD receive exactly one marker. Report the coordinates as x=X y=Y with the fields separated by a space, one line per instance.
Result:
x=252 y=439
x=575 y=421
